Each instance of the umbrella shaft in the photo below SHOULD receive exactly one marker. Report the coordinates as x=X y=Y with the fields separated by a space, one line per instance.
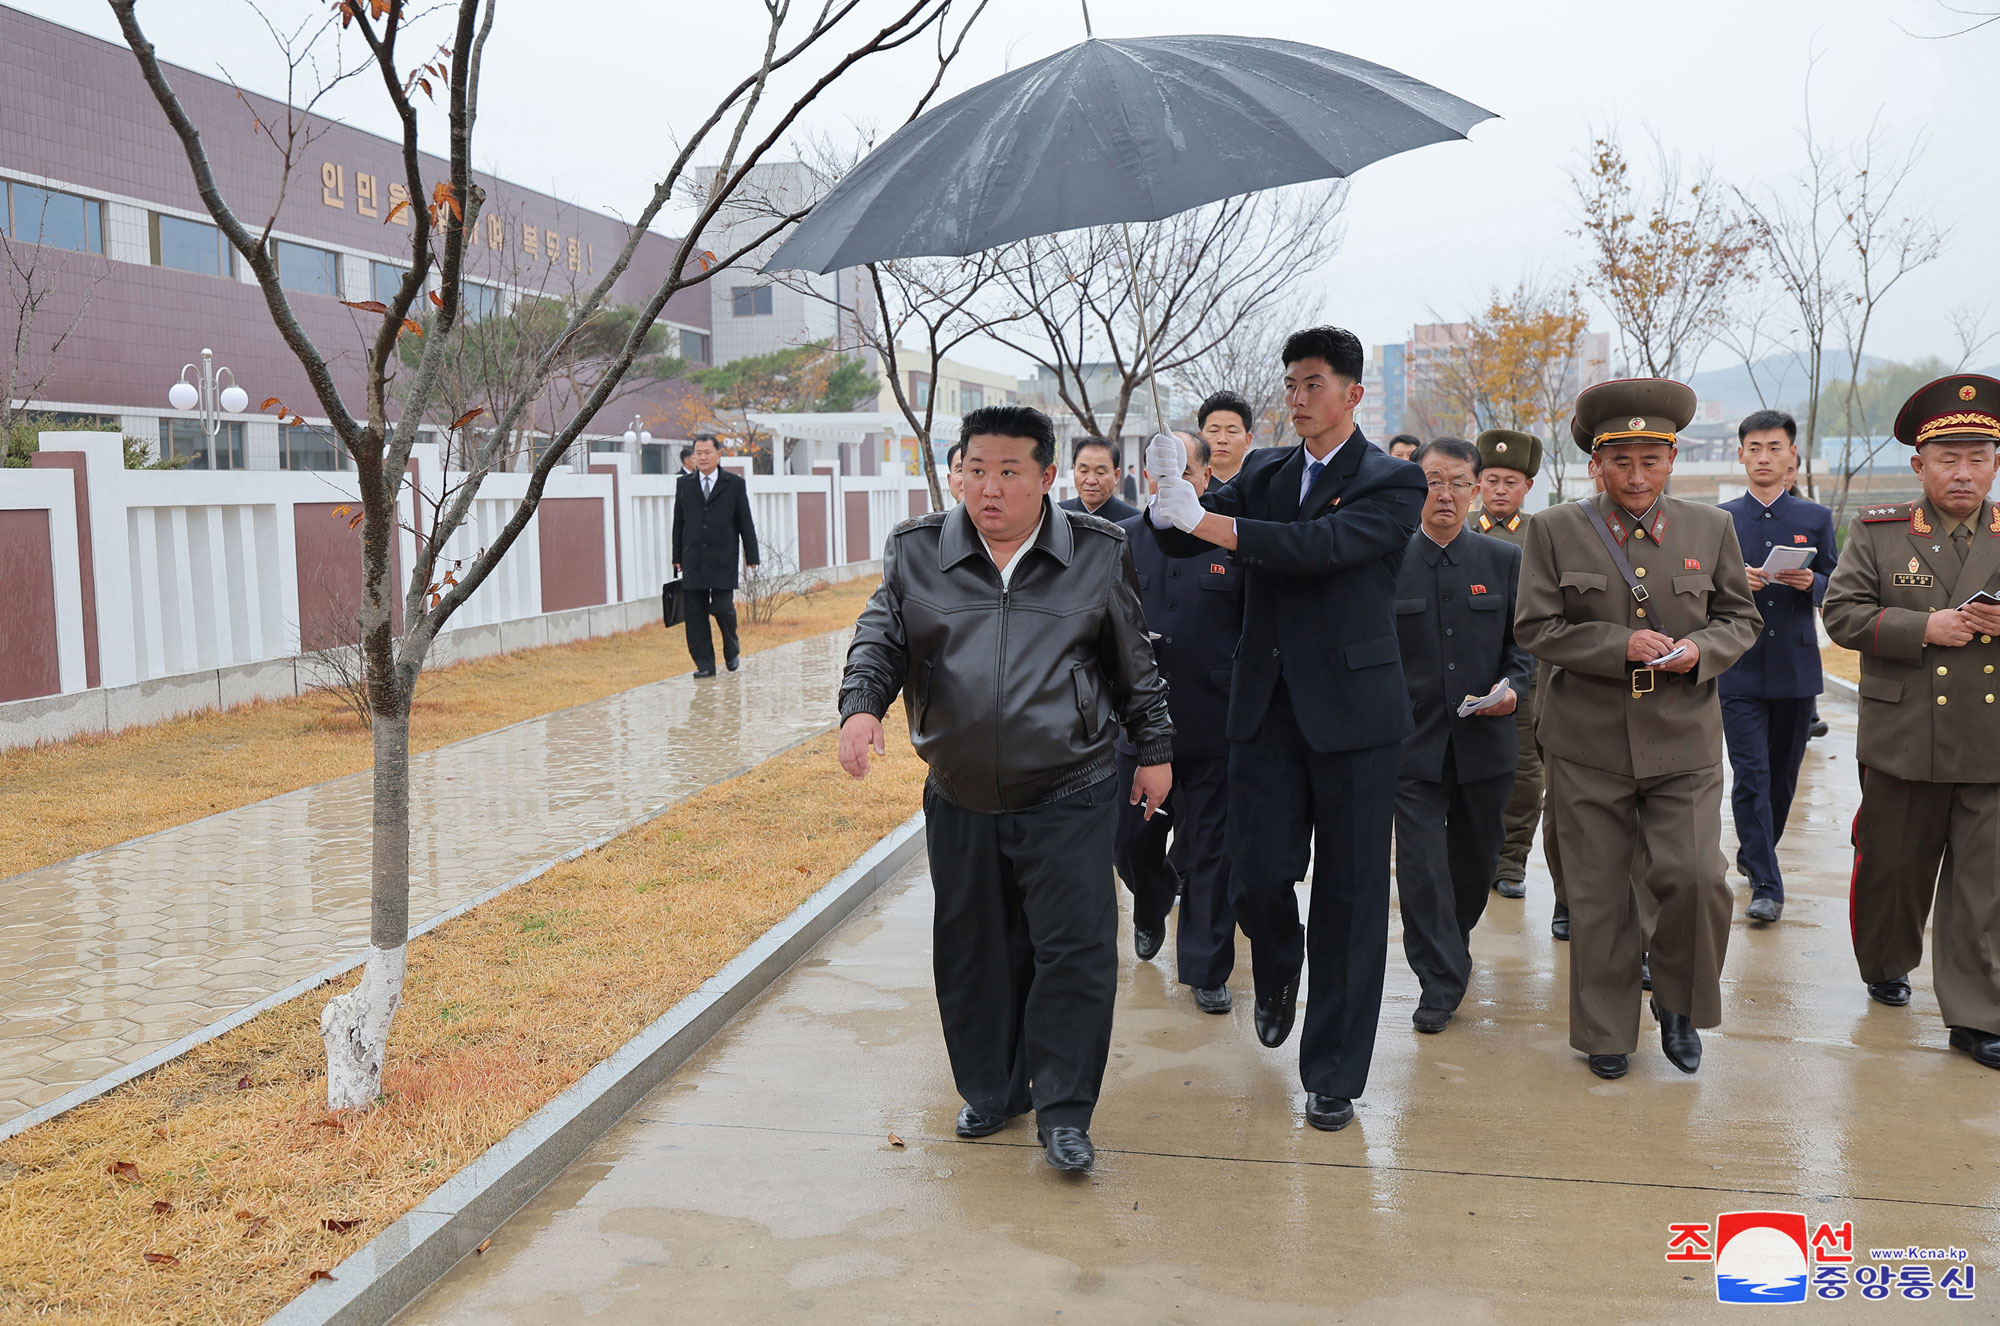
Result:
x=1145 y=337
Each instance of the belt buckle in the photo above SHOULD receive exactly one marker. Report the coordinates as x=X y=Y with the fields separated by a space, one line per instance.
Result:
x=1647 y=689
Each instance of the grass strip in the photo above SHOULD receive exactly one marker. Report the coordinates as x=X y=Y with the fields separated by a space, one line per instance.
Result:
x=214 y=1188
x=63 y=798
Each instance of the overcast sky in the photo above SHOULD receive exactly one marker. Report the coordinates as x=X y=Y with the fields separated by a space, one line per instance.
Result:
x=581 y=98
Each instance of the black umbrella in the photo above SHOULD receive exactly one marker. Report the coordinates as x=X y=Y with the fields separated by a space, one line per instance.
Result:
x=1118 y=130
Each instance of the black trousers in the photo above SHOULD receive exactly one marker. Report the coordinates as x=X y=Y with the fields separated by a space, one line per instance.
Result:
x=1287 y=802
x=1448 y=839
x=1767 y=743
x=1197 y=815
x=700 y=605
x=1025 y=950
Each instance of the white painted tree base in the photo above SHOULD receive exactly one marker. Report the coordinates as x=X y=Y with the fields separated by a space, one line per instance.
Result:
x=355 y=1030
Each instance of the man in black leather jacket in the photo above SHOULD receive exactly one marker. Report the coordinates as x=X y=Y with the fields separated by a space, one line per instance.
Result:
x=1014 y=632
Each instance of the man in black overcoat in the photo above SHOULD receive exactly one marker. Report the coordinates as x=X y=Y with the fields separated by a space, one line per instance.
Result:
x=711 y=521
x=1317 y=706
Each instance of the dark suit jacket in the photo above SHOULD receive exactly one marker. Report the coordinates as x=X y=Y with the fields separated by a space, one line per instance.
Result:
x=1115 y=509
x=1319 y=598
x=706 y=532
x=1784 y=663
x=1195 y=605
x=1455 y=620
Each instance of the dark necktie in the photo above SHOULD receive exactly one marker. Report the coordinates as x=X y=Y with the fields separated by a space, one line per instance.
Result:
x=1961 y=542
x=1312 y=473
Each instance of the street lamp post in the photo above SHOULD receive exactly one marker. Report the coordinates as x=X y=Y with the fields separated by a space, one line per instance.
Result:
x=639 y=438
x=213 y=404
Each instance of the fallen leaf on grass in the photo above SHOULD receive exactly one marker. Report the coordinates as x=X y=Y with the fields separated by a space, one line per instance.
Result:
x=340 y=1226
x=243 y=1215
x=162 y=1259
x=163 y=1208
x=160 y=1133
x=243 y=1082
x=895 y=1140
x=330 y=1121
x=803 y=870
x=319 y=1275
x=123 y=1170
x=250 y=1230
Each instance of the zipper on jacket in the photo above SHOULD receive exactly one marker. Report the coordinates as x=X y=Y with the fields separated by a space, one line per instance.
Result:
x=999 y=687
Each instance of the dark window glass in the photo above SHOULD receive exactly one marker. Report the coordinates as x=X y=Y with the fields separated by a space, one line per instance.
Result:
x=694 y=347
x=59 y=220
x=384 y=280
x=183 y=437
x=750 y=301
x=191 y=246
x=309 y=448
x=308 y=270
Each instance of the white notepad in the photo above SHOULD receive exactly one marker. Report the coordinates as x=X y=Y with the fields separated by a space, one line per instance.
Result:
x=1788 y=559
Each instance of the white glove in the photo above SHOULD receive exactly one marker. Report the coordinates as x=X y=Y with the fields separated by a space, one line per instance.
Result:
x=1166 y=458
x=1177 y=504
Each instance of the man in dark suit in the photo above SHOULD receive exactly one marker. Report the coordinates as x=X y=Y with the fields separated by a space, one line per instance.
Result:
x=1455 y=623
x=1195 y=606
x=1768 y=697
x=1317 y=706
x=711 y=518
x=1095 y=471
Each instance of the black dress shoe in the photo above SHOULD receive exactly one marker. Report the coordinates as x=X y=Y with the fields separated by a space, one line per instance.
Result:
x=1329 y=1114
x=733 y=663
x=1765 y=908
x=1511 y=888
x=974 y=1123
x=1274 y=1015
x=704 y=672
x=1067 y=1148
x=1147 y=942
x=1213 y=999
x=1895 y=992
x=1559 y=923
x=1431 y=1021
x=1983 y=1046
x=1610 y=1067
x=1678 y=1038
x=1818 y=729
x=1645 y=971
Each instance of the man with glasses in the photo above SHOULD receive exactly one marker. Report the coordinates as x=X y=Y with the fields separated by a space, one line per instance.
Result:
x=1455 y=624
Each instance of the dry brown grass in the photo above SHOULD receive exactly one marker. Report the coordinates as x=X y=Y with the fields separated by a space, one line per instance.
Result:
x=1841 y=662
x=505 y=1008
x=63 y=798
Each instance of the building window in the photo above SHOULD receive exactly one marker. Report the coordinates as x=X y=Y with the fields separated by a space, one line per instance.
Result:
x=306 y=269
x=694 y=347
x=191 y=246
x=970 y=397
x=183 y=437
x=477 y=302
x=751 y=301
x=920 y=390
x=57 y=220
x=310 y=448
x=384 y=280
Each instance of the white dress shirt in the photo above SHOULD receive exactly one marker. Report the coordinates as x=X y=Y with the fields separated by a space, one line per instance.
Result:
x=1307 y=476
x=1007 y=571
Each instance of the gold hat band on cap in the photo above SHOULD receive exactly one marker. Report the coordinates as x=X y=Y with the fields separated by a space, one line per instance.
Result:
x=1979 y=425
x=1602 y=438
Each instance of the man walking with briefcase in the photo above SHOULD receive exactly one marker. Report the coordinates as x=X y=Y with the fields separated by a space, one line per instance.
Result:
x=711 y=517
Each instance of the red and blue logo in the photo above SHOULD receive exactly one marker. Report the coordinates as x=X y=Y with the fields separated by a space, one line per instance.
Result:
x=1761 y=1257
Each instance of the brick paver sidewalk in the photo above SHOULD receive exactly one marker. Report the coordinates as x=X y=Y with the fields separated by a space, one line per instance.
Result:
x=109 y=956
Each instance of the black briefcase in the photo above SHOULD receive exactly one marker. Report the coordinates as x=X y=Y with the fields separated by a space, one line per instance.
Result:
x=672 y=611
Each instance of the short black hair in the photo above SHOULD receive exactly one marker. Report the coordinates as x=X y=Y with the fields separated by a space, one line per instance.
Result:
x=1226 y=400
x=1455 y=447
x=1758 y=421
x=1012 y=421
x=698 y=441
x=951 y=457
x=1198 y=444
x=1084 y=443
x=1402 y=439
x=1339 y=347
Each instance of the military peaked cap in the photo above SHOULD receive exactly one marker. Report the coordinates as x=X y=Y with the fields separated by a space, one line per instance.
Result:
x=1505 y=449
x=1631 y=410
x=1964 y=407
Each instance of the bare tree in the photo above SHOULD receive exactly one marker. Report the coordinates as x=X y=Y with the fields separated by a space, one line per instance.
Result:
x=49 y=288
x=1665 y=259
x=1247 y=360
x=1200 y=276
x=738 y=132
x=1968 y=326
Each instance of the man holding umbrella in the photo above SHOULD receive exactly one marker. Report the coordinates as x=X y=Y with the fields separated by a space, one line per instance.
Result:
x=1317 y=704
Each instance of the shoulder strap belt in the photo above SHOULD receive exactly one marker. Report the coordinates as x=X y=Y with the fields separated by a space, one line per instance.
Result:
x=1639 y=595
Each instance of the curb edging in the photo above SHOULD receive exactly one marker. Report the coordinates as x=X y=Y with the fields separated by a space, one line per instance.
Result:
x=392 y=1269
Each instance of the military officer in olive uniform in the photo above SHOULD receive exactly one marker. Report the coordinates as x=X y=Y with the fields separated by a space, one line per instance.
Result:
x=1929 y=745
x=1509 y=462
x=1639 y=601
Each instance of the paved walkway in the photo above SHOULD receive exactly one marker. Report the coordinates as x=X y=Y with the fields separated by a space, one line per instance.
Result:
x=1488 y=1178
x=111 y=955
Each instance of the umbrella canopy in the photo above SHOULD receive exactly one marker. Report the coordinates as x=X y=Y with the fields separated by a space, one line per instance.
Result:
x=1114 y=131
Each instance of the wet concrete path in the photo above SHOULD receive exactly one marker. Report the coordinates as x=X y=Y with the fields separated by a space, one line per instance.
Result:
x=109 y=956
x=1488 y=1178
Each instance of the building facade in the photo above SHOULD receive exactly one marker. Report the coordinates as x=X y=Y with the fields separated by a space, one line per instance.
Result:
x=97 y=198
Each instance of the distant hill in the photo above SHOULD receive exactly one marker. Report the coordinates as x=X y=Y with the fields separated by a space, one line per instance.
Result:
x=1783 y=378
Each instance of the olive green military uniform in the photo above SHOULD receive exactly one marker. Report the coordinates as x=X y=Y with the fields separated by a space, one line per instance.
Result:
x=1929 y=747
x=1505 y=449
x=1634 y=755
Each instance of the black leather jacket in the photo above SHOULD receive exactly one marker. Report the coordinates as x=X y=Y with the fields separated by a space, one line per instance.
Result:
x=1010 y=696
